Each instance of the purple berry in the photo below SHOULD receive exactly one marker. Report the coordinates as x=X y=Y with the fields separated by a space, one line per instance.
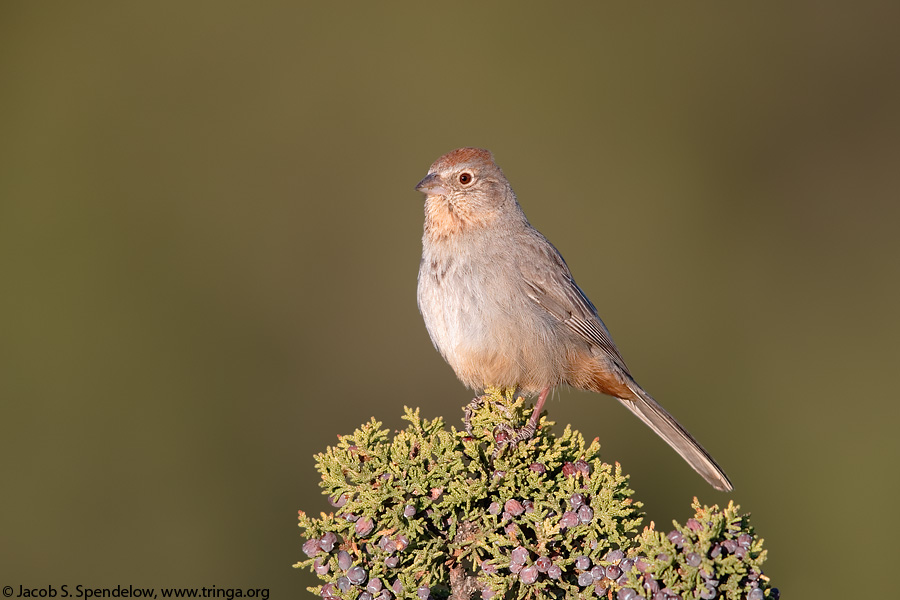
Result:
x=676 y=538
x=423 y=592
x=494 y=508
x=598 y=572
x=409 y=511
x=514 y=507
x=364 y=526
x=543 y=563
x=320 y=566
x=576 y=500
x=327 y=590
x=364 y=596
x=528 y=575
x=650 y=584
x=374 y=586
x=693 y=559
x=391 y=562
x=500 y=436
x=745 y=540
x=519 y=556
x=568 y=519
x=338 y=501
x=694 y=525
x=387 y=544
x=401 y=542
x=613 y=572
x=707 y=593
x=343 y=583
x=614 y=556
x=327 y=541
x=344 y=560
x=397 y=586
x=538 y=467
x=311 y=547
x=569 y=469
x=554 y=572
x=583 y=563
x=755 y=594
x=585 y=578
x=357 y=575
x=583 y=467
x=585 y=514
x=626 y=594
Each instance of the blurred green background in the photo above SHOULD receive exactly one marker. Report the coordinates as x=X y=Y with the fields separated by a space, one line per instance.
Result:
x=209 y=241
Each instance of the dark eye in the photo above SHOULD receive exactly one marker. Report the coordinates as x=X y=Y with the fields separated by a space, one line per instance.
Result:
x=465 y=178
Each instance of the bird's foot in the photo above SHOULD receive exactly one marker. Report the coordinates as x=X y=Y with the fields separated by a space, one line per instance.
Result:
x=476 y=403
x=510 y=436
x=507 y=436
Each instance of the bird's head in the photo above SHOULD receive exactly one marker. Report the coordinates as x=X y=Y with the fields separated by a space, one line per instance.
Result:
x=464 y=190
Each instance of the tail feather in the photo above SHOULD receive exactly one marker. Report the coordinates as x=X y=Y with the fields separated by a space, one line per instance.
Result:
x=656 y=418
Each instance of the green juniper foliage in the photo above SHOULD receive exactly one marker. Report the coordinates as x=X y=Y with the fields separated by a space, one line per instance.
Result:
x=432 y=513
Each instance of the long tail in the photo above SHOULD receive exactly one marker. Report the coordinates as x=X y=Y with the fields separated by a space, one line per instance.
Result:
x=656 y=418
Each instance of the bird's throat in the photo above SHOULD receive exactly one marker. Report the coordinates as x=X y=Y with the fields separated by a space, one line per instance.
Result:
x=442 y=219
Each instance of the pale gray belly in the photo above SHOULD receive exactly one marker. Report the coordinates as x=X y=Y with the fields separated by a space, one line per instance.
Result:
x=490 y=332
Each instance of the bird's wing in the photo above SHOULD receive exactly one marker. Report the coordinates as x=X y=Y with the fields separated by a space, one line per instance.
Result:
x=549 y=283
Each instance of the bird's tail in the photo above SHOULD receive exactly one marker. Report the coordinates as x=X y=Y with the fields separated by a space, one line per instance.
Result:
x=656 y=418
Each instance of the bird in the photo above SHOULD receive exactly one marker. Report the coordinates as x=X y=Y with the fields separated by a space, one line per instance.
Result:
x=502 y=308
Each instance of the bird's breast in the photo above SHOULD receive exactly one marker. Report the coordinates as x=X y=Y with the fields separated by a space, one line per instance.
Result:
x=481 y=320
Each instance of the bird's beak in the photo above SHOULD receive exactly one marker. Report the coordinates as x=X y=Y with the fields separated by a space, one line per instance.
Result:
x=432 y=186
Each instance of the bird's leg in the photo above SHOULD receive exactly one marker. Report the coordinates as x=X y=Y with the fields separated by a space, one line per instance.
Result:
x=527 y=432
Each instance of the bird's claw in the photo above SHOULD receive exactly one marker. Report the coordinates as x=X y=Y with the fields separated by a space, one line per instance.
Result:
x=476 y=403
x=507 y=435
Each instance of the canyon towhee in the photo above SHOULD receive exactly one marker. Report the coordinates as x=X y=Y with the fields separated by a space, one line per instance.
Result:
x=503 y=310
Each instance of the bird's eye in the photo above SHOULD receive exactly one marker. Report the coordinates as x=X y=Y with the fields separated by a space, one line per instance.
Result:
x=465 y=178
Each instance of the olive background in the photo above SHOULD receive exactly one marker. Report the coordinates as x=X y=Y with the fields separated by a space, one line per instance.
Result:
x=209 y=241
